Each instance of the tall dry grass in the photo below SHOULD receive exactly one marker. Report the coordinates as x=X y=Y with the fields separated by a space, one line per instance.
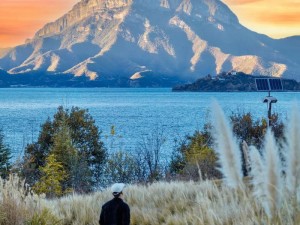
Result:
x=272 y=173
x=276 y=185
x=227 y=148
x=271 y=196
x=176 y=203
x=18 y=205
x=161 y=203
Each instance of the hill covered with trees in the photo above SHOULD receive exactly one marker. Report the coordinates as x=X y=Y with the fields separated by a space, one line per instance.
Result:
x=230 y=82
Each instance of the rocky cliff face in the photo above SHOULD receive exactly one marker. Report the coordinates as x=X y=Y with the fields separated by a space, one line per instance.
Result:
x=176 y=38
x=80 y=11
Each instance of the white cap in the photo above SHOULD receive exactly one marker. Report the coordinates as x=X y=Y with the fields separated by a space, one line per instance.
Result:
x=117 y=187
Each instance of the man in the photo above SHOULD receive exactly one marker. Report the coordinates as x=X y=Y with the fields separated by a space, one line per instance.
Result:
x=115 y=211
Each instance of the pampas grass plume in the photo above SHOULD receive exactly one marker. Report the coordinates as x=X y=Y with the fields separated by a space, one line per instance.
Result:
x=273 y=178
x=258 y=180
x=227 y=149
x=293 y=154
x=245 y=148
x=257 y=171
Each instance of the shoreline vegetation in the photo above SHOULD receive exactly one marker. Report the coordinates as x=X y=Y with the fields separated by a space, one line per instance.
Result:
x=234 y=171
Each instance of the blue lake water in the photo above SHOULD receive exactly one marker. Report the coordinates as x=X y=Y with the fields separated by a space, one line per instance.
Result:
x=133 y=112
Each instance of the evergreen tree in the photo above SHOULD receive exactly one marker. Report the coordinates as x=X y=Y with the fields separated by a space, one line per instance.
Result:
x=75 y=165
x=5 y=156
x=64 y=151
x=53 y=175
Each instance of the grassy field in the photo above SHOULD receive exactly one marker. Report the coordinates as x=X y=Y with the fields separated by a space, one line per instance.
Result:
x=175 y=203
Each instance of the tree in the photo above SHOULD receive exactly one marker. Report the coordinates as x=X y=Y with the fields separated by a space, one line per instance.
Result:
x=74 y=163
x=122 y=167
x=150 y=156
x=80 y=175
x=64 y=152
x=53 y=175
x=5 y=156
x=201 y=156
x=70 y=133
x=195 y=158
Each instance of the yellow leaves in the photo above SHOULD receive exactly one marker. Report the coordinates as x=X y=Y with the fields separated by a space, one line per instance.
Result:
x=53 y=174
x=199 y=151
x=112 y=131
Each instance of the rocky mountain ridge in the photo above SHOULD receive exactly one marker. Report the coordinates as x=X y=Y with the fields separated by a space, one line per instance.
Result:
x=184 y=39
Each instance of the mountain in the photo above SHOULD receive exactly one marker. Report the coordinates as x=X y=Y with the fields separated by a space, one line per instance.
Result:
x=130 y=39
x=4 y=51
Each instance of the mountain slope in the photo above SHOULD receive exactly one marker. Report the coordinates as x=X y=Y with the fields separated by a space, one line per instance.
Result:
x=176 y=38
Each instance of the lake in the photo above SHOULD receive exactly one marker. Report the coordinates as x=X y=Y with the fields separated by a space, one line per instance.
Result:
x=133 y=112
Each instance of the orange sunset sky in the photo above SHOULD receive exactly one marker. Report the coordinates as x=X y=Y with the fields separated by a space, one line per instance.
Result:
x=20 y=19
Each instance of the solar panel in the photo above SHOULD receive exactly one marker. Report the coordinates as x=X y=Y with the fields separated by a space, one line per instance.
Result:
x=262 y=84
x=275 y=84
x=268 y=84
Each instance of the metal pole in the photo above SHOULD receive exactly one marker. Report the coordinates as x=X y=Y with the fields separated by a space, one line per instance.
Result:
x=269 y=114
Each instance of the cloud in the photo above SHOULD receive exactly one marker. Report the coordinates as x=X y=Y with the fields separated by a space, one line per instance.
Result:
x=277 y=18
x=284 y=18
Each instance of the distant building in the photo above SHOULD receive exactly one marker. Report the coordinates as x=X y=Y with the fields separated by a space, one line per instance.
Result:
x=231 y=73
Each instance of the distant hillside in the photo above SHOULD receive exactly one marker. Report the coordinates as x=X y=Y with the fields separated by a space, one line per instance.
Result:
x=48 y=79
x=231 y=83
x=4 y=78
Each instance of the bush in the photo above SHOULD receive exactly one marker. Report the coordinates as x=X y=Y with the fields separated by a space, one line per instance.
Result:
x=245 y=128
